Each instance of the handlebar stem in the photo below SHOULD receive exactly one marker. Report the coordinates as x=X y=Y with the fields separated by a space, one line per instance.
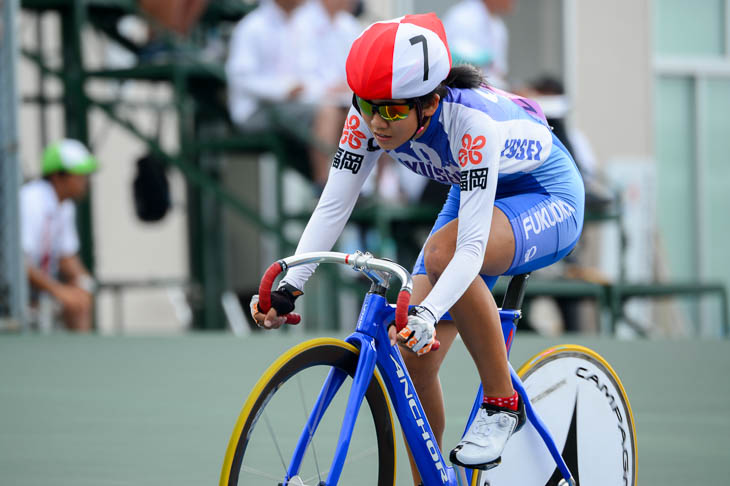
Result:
x=376 y=269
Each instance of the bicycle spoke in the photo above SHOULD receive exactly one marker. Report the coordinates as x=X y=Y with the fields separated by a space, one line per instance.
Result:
x=276 y=442
x=311 y=380
x=256 y=472
x=311 y=433
x=367 y=452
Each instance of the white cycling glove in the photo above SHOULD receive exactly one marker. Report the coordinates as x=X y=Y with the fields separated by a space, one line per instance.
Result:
x=420 y=332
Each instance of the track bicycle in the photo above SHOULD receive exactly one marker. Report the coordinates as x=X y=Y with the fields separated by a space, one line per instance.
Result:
x=320 y=415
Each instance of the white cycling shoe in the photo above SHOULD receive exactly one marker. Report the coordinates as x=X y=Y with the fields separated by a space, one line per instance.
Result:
x=482 y=445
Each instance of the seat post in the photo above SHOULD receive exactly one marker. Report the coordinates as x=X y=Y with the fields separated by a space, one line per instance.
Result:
x=461 y=475
x=515 y=292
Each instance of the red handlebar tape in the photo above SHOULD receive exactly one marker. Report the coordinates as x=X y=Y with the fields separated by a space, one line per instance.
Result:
x=401 y=309
x=401 y=315
x=265 y=292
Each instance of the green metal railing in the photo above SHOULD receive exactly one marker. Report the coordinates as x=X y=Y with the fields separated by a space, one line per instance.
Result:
x=205 y=193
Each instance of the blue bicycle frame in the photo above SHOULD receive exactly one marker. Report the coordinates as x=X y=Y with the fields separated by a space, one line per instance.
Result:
x=371 y=337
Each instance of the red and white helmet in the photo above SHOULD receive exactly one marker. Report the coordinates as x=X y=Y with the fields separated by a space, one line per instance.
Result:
x=401 y=58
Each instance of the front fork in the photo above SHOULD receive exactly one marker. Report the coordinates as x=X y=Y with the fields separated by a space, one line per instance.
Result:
x=332 y=384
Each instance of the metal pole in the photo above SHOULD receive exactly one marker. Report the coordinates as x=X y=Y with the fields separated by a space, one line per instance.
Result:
x=570 y=44
x=73 y=19
x=42 y=95
x=13 y=281
x=700 y=207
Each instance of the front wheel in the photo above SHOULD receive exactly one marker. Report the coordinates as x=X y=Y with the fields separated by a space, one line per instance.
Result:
x=274 y=419
x=584 y=405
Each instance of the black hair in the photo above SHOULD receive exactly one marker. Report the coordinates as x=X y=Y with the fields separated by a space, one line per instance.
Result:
x=463 y=76
x=58 y=173
x=548 y=85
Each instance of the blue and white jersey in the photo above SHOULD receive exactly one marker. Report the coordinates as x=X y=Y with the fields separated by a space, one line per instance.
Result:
x=490 y=143
x=471 y=124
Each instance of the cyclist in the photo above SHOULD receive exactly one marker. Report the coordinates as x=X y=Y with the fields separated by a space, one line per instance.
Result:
x=516 y=204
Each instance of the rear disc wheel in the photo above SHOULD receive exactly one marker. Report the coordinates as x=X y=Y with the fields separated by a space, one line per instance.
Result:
x=585 y=407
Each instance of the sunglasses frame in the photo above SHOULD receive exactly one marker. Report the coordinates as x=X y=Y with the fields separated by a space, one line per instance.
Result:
x=378 y=106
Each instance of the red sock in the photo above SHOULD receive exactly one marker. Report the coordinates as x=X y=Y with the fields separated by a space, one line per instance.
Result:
x=508 y=402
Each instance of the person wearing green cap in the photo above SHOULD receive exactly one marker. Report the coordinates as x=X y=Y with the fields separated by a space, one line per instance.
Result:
x=48 y=232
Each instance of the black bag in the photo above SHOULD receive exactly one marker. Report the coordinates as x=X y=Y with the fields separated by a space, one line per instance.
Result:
x=151 y=189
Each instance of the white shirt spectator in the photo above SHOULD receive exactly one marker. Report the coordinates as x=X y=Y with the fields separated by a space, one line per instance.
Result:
x=331 y=38
x=269 y=56
x=478 y=37
x=48 y=227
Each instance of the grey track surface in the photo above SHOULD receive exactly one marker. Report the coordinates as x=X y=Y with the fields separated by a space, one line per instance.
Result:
x=99 y=411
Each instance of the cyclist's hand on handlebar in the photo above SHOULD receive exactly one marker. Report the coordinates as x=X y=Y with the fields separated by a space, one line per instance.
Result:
x=282 y=303
x=419 y=334
x=270 y=320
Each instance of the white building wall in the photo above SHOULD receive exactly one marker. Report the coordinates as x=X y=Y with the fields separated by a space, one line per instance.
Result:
x=613 y=77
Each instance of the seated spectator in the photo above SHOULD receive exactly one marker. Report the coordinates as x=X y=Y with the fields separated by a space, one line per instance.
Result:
x=168 y=18
x=478 y=35
x=332 y=28
x=549 y=92
x=48 y=232
x=280 y=78
x=178 y=16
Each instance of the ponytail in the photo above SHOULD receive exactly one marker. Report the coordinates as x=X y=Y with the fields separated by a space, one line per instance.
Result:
x=462 y=76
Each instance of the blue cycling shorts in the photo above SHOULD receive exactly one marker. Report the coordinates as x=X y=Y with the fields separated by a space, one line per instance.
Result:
x=546 y=227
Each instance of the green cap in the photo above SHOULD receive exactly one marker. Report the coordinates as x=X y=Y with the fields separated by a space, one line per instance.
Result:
x=70 y=156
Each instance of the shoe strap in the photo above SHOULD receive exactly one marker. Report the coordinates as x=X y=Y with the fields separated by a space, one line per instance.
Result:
x=520 y=414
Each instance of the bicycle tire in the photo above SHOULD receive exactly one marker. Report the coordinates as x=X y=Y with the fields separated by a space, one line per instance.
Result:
x=325 y=352
x=585 y=406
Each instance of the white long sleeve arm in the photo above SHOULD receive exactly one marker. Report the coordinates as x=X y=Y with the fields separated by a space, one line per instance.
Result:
x=478 y=190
